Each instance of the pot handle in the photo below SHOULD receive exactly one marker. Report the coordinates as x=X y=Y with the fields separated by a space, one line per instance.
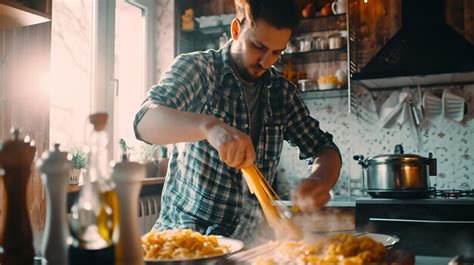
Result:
x=361 y=160
x=399 y=149
x=432 y=165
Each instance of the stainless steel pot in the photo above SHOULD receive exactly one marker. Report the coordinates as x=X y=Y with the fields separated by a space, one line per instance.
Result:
x=393 y=174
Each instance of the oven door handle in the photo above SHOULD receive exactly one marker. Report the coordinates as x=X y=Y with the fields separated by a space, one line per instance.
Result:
x=419 y=221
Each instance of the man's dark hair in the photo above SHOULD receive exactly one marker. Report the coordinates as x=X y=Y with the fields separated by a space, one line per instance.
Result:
x=278 y=13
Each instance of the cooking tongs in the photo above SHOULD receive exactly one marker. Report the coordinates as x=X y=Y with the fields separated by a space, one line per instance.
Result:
x=277 y=214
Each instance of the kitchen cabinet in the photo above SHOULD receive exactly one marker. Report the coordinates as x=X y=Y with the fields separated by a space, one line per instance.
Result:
x=16 y=13
x=429 y=227
x=24 y=59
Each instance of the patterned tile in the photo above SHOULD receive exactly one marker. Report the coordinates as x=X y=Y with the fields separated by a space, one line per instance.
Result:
x=452 y=143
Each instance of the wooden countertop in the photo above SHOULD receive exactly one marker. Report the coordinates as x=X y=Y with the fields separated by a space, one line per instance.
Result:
x=145 y=182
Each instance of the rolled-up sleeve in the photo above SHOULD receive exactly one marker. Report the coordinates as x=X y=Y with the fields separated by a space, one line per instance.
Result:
x=177 y=87
x=303 y=131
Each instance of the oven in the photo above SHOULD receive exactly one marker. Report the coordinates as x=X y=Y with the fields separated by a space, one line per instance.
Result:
x=441 y=225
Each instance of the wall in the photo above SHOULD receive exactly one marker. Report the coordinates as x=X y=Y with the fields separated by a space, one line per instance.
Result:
x=164 y=36
x=452 y=143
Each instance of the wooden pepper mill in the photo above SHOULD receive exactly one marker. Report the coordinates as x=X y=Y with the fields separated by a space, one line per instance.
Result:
x=55 y=168
x=16 y=157
x=127 y=176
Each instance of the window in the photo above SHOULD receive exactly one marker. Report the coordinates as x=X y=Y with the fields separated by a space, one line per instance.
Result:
x=102 y=60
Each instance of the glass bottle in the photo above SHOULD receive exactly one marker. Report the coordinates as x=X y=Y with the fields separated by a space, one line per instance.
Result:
x=95 y=216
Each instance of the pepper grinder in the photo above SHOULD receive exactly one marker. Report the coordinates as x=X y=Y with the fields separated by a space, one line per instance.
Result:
x=127 y=176
x=16 y=157
x=55 y=168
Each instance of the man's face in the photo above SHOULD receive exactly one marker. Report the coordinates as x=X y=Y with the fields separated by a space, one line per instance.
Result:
x=257 y=49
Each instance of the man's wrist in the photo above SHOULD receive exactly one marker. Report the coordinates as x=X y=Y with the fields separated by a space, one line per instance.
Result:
x=207 y=123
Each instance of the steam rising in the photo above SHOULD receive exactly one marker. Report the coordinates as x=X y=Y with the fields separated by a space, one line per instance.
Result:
x=322 y=223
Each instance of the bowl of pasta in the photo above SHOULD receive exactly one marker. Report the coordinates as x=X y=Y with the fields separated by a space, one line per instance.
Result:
x=334 y=249
x=185 y=245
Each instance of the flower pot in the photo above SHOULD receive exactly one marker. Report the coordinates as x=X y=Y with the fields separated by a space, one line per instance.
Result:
x=74 y=176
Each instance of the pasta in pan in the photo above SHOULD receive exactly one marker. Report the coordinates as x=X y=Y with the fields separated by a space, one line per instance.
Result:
x=340 y=249
x=180 y=244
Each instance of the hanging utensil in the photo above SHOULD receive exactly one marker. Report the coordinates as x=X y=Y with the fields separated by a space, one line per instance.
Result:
x=414 y=112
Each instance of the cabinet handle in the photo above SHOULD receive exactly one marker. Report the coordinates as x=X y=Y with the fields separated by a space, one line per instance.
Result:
x=420 y=221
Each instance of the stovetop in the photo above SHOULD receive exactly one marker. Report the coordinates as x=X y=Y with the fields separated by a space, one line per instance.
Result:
x=432 y=196
x=452 y=194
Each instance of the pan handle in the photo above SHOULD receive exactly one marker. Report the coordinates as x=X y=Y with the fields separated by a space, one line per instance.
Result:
x=432 y=165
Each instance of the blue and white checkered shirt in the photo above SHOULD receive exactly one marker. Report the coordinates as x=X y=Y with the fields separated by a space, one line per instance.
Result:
x=200 y=191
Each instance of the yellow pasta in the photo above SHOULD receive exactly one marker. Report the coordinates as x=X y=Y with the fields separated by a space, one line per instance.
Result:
x=180 y=244
x=340 y=249
x=266 y=196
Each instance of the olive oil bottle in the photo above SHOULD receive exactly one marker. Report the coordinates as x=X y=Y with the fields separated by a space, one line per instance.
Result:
x=95 y=215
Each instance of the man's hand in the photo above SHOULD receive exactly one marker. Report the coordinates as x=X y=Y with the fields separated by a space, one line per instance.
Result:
x=235 y=147
x=311 y=195
x=314 y=192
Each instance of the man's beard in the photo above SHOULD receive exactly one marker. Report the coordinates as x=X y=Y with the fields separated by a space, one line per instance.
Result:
x=244 y=73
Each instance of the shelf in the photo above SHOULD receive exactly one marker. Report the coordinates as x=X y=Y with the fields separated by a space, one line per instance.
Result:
x=327 y=23
x=315 y=56
x=330 y=93
x=209 y=32
x=14 y=15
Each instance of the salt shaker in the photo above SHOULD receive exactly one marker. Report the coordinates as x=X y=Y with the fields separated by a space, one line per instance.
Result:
x=127 y=176
x=16 y=157
x=55 y=167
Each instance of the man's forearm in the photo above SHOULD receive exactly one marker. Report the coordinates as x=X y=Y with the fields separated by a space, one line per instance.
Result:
x=326 y=168
x=163 y=125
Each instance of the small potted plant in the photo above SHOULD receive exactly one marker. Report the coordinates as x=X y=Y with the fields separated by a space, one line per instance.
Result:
x=79 y=161
x=154 y=157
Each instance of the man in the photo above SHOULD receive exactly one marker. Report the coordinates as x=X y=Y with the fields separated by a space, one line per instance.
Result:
x=228 y=109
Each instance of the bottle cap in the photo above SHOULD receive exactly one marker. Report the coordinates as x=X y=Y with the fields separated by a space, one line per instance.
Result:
x=99 y=120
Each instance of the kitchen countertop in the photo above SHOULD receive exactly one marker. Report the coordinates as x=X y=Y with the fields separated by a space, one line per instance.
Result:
x=342 y=201
x=337 y=201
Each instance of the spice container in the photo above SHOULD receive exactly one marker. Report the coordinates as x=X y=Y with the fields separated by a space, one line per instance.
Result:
x=336 y=41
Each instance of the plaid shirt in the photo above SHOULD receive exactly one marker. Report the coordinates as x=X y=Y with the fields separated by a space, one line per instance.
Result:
x=200 y=191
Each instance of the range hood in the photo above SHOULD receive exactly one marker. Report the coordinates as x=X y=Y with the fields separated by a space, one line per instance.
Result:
x=426 y=51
